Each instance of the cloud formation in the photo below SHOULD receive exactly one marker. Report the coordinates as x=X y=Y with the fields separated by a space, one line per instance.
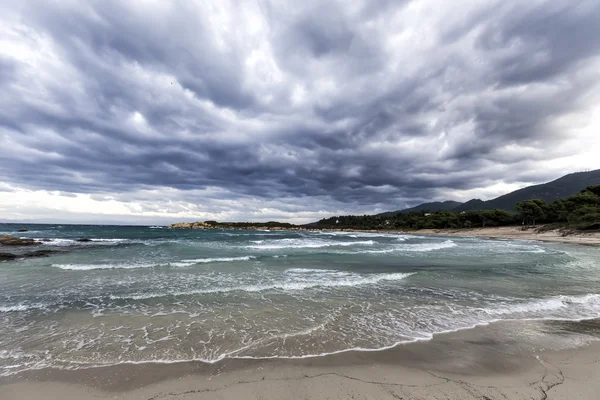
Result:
x=259 y=110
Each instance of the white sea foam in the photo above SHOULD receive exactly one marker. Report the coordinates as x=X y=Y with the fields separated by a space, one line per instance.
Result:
x=400 y=237
x=425 y=247
x=182 y=263
x=87 y=267
x=306 y=243
x=185 y=263
x=308 y=270
x=581 y=304
x=57 y=242
x=382 y=251
x=326 y=280
x=22 y=307
x=417 y=248
x=73 y=242
x=19 y=307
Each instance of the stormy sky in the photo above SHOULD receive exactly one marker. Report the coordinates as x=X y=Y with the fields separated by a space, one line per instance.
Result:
x=153 y=111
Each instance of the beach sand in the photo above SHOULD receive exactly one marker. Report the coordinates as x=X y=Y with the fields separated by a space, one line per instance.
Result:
x=512 y=232
x=503 y=360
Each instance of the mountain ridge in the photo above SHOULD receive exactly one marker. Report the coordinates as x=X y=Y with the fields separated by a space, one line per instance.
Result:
x=559 y=188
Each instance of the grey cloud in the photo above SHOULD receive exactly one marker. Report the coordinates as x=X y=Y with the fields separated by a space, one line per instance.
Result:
x=375 y=126
x=554 y=37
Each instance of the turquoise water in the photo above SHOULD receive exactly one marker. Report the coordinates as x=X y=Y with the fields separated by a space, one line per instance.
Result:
x=140 y=294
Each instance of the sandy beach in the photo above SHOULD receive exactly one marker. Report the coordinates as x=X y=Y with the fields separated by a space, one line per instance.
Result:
x=512 y=232
x=505 y=360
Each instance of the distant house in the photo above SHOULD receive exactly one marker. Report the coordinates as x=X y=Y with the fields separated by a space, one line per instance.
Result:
x=427 y=214
x=387 y=221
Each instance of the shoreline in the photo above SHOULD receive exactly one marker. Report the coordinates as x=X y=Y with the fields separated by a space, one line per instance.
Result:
x=506 y=359
x=512 y=232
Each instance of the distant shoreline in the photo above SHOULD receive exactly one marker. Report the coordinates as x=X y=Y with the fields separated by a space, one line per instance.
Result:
x=502 y=232
x=513 y=232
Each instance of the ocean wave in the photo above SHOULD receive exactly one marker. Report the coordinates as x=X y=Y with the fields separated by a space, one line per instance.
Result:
x=305 y=243
x=417 y=248
x=308 y=270
x=297 y=279
x=88 y=267
x=425 y=247
x=186 y=263
x=590 y=302
x=383 y=251
x=364 y=234
x=181 y=263
x=340 y=280
x=74 y=242
x=58 y=242
x=22 y=307
x=19 y=307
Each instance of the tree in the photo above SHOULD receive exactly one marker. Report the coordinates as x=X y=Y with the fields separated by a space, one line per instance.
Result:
x=595 y=189
x=558 y=211
x=531 y=210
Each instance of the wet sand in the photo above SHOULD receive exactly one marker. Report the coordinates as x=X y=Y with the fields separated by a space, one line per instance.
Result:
x=504 y=360
x=512 y=232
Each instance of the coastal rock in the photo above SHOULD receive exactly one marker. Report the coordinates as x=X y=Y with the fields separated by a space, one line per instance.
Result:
x=181 y=225
x=32 y=254
x=7 y=256
x=41 y=253
x=84 y=240
x=8 y=240
x=23 y=230
x=191 y=225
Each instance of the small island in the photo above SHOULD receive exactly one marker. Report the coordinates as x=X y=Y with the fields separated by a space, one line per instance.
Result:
x=271 y=225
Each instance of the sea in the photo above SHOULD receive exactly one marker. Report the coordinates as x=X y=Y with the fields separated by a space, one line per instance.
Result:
x=142 y=294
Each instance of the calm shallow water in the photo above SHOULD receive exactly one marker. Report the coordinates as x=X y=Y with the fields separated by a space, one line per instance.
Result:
x=139 y=294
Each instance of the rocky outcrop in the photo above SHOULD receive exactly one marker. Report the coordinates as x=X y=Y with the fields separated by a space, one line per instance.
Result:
x=191 y=225
x=235 y=225
x=84 y=240
x=31 y=254
x=7 y=240
x=7 y=256
x=40 y=253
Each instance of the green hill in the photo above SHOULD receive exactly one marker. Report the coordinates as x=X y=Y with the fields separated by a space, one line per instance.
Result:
x=557 y=189
x=429 y=207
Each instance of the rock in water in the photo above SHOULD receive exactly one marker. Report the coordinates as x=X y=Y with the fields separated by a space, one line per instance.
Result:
x=41 y=253
x=7 y=256
x=8 y=240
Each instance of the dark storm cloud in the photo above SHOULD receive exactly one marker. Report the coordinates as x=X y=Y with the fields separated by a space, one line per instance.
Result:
x=381 y=103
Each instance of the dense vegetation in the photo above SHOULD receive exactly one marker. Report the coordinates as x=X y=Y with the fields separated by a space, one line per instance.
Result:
x=581 y=210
